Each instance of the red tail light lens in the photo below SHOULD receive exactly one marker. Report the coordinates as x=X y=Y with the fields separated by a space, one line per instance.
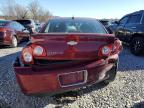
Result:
x=27 y=57
x=105 y=51
x=39 y=51
x=110 y=49
x=29 y=52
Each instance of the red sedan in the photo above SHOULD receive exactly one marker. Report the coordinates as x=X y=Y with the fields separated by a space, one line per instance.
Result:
x=11 y=33
x=67 y=54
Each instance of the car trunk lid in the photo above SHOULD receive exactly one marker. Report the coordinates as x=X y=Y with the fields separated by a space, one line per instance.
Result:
x=71 y=46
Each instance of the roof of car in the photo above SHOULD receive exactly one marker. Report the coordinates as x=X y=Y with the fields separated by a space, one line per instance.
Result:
x=70 y=18
x=23 y=19
x=104 y=20
x=6 y=21
x=136 y=12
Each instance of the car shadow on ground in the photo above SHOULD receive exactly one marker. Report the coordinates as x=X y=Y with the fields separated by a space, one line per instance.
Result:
x=71 y=96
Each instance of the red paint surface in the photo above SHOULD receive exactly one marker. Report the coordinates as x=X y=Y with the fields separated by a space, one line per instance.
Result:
x=82 y=56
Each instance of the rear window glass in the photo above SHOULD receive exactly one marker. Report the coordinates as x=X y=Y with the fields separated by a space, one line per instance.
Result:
x=78 y=26
x=105 y=23
x=24 y=22
x=3 y=23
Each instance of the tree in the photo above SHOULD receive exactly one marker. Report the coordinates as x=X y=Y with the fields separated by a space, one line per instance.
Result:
x=44 y=15
x=8 y=8
x=37 y=12
x=11 y=9
x=34 y=9
x=21 y=12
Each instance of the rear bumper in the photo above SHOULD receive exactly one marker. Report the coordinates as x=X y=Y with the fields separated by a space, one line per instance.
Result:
x=32 y=81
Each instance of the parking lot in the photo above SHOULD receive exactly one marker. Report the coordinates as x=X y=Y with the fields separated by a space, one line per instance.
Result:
x=125 y=92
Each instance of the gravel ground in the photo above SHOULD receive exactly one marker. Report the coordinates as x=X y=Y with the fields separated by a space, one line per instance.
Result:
x=125 y=92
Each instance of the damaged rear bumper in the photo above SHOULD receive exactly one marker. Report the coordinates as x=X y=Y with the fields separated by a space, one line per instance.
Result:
x=51 y=81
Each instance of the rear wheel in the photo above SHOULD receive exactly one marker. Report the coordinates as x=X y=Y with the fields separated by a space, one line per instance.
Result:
x=136 y=45
x=111 y=74
x=14 y=42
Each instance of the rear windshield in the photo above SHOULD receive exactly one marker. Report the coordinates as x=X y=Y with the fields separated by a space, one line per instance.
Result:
x=78 y=26
x=24 y=22
x=3 y=23
x=105 y=23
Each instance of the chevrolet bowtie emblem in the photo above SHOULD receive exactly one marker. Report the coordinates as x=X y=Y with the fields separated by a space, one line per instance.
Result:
x=72 y=43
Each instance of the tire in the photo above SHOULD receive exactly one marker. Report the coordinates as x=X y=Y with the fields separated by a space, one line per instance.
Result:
x=14 y=42
x=111 y=74
x=136 y=45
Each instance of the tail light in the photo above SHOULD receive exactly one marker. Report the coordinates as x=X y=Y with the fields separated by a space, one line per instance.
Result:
x=27 y=57
x=110 y=49
x=39 y=51
x=105 y=51
x=117 y=47
x=31 y=51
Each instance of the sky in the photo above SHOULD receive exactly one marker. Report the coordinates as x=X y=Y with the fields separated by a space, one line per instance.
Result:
x=88 y=8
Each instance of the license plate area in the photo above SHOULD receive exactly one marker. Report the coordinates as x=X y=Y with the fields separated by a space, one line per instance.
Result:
x=72 y=78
